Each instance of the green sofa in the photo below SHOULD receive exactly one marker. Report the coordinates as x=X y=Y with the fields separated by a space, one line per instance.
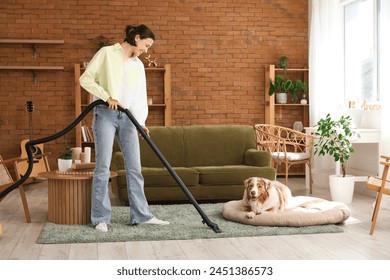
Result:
x=213 y=161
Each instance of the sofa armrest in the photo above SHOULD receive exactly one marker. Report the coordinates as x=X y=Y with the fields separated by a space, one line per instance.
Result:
x=254 y=157
x=117 y=161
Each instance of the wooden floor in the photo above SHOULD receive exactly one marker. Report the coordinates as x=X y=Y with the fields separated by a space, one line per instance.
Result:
x=18 y=241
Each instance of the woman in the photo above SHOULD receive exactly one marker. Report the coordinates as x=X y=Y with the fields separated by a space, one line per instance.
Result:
x=116 y=75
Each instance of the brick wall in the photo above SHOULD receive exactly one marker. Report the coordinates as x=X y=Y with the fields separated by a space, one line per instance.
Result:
x=217 y=49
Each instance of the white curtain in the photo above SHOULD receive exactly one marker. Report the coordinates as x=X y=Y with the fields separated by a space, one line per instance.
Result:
x=326 y=67
x=384 y=74
x=325 y=59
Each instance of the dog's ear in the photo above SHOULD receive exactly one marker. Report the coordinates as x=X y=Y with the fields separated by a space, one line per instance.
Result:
x=247 y=182
x=267 y=186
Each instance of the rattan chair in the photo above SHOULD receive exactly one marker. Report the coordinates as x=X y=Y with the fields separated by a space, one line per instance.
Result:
x=287 y=147
x=381 y=186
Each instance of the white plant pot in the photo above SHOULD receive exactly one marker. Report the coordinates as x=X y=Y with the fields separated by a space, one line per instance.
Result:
x=341 y=188
x=64 y=164
x=281 y=97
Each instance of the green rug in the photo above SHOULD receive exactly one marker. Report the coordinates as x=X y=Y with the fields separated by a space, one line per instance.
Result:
x=185 y=223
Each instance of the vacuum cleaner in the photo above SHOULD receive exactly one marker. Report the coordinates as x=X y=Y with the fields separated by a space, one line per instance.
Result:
x=173 y=173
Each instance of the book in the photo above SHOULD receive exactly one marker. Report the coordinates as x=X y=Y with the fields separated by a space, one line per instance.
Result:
x=83 y=133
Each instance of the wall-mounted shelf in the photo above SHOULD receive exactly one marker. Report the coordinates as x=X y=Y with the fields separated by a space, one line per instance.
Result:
x=30 y=41
x=34 y=43
x=33 y=68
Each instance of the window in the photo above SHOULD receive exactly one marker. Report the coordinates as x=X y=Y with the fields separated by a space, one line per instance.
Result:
x=361 y=51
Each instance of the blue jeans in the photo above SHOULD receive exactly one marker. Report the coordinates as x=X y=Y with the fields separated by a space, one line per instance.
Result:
x=106 y=124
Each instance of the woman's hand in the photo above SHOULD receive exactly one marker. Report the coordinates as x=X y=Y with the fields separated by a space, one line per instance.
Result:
x=113 y=104
x=146 y=131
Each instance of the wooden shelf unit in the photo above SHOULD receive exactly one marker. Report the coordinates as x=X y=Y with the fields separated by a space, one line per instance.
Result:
x=82 y=102
x=273 y=109
x=167 y=102
x=281 y=114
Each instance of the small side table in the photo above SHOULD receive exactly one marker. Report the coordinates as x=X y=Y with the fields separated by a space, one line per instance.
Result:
x=69 y=197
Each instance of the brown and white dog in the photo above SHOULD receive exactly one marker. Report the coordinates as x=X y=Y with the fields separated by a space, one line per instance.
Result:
x=262 y=195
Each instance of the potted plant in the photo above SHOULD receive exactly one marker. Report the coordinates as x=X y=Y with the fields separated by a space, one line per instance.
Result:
x=65 y=158
x=280 y=87
x=334 y=139
x=298 y=87
x=283 y=62
x=100 y=41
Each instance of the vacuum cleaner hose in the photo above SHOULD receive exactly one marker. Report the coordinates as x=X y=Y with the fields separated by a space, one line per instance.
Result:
x=140 y=129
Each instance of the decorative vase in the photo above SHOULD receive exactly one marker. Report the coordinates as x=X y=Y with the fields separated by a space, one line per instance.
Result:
x=298 y=126
x=303 y=99
x=64 y=164
x=281 y=98
x=341 y=188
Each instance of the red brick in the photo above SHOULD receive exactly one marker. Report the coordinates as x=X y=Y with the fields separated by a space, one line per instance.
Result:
x=217 y=50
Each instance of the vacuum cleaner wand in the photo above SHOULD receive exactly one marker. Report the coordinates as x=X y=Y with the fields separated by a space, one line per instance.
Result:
x=173 y=173
x=31 y=143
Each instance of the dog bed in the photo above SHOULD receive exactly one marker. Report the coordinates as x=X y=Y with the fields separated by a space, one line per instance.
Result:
x=301 y=211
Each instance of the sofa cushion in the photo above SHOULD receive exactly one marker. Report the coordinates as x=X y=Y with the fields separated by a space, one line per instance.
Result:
x=216 y=145
x=155 y=176
x=169 y=140
x=231 y=174
x=257 y=158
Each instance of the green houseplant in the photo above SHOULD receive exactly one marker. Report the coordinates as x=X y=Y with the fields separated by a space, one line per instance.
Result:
x=65 y=158
x=280 y=87
x=283 y=62
x=334 y=139
x=100 y=41
x=298 y=87
x=67 y=152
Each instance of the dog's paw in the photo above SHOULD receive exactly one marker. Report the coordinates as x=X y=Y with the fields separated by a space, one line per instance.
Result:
x=250 y=215
x=258 y=212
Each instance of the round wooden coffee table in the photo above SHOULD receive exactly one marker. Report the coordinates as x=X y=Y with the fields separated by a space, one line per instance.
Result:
x=69 y=197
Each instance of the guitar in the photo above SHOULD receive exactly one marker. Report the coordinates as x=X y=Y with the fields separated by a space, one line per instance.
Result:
x=37 y=151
